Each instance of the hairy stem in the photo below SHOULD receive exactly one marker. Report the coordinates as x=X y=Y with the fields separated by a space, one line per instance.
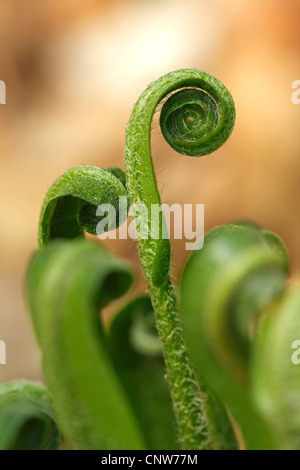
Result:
x=195 y=120
x=187 y=397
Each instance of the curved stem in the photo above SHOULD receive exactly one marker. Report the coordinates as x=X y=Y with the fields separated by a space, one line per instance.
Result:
x=27 y=420
x=67 y=282
x=204 y=125
x=240 y=272
x=205 y=137
x=69 y=207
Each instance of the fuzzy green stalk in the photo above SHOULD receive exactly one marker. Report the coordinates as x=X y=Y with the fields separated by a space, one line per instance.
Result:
x=196 y=120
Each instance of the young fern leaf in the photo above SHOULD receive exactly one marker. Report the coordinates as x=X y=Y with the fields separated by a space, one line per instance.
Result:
x=70 y=205
x=67 y=283
x=196 y=120
x=240 y=272
x=239 y=319
x=27 y=420
x=274 y=378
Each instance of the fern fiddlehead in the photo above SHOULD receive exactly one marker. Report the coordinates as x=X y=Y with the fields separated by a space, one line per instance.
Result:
x=107 y=384
x=27 y=420
x=195 y=120
x=70 y=205
x=275 y=380
x=239 y=318
x=239 y=324
x=66 y=284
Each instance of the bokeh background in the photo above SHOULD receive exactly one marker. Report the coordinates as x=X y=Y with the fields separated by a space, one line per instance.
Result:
x=73 y=70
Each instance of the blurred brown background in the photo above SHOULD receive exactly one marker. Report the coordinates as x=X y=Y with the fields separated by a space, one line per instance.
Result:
x=73 y=70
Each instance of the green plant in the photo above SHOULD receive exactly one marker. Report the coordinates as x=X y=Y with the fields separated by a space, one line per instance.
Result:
x=26 y=418
x=227 y=348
